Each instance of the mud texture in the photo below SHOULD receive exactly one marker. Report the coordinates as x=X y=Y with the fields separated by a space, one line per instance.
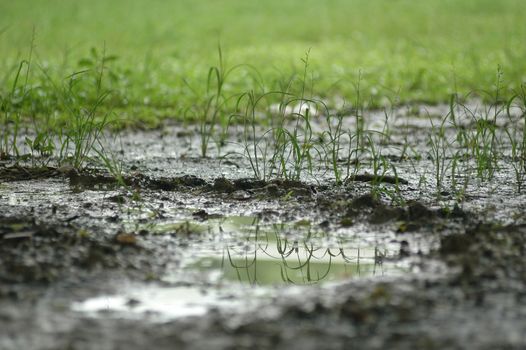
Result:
x=67 y=236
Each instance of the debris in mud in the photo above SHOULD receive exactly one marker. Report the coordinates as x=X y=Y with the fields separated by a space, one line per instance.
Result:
x=124 y=238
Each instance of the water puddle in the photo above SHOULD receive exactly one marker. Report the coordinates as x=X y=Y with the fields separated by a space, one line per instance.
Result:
x=258 y=253
x=157 y=303
x=232 y=263
x=278 y=254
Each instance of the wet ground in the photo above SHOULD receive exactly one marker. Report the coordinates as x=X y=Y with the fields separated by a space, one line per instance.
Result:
x=194 y=253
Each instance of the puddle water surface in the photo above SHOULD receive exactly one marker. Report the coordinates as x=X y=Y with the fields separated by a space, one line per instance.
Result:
x=234 y=262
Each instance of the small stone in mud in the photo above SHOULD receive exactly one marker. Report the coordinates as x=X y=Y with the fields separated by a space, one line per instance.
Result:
x=113 y=218
x=325 y=224
x=132 y=302
x=125 y=238
x=143 y=232
x=404 y=249
x=200 y=214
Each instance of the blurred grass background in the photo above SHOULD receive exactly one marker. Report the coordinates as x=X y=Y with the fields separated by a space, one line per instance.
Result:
x=406 y=51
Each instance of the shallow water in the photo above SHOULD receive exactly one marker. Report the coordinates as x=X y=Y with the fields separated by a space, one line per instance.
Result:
x=234 y=262
x=159 y=304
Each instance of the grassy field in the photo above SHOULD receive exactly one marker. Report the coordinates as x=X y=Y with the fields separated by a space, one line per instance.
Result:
x=159 y=52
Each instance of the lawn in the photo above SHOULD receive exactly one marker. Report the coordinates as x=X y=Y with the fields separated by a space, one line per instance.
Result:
x=160 y=51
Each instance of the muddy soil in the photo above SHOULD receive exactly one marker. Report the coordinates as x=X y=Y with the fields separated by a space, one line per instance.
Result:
x=189 y=252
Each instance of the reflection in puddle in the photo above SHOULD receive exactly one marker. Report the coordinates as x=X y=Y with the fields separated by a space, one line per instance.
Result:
x=233 y=262
x=257 y=253
x=272 y=259
x=264 y=271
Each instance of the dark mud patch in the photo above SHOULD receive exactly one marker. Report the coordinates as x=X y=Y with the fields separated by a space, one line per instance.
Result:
x=344 y=204
x=35 y=254
x=488 y=253
x=274 y=188
x=99 y=179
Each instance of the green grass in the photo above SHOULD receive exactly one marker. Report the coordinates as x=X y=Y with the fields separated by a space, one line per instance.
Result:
x=406 y=50
x=71 y=70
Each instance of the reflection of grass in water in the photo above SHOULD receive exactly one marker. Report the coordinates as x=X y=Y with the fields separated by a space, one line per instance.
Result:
x=269 y=272
x=265 y=256
x=260 y=267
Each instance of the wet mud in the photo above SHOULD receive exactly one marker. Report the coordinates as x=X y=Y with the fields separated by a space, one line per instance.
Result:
x=184 y=252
